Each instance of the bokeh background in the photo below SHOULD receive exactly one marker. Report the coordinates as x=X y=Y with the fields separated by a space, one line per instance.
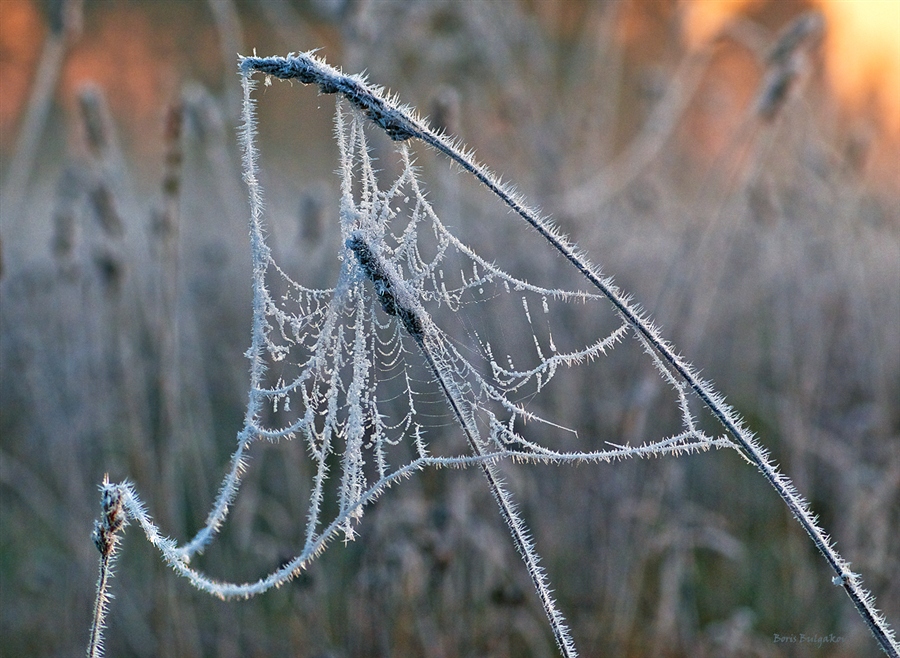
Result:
x=735 y=166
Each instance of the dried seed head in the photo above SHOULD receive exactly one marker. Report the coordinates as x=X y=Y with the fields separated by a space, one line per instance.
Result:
x=106 y=210
x=801 y=32
x=786 y=61
x=112 y=517
x=111 y=270
x=95 y=119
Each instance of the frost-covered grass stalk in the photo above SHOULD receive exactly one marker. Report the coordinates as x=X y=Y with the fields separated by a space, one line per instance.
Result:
x=106 y=538
x=340 y=350
x=396 y=300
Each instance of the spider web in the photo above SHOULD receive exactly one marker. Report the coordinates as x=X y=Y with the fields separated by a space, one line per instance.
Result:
x=360 y=371
x=345 y=373
x=366 y=373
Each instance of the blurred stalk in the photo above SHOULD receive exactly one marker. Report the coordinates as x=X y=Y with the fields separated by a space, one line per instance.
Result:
x=165 y=232
x=65 y=29
x=660 y=126
x=204 y=119
x=228 y=25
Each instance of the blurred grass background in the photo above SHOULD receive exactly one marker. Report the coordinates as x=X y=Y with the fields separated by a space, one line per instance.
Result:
x=761 y=229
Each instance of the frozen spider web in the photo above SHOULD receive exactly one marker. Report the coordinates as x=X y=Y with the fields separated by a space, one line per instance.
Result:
x=365 y=375
x=404 y=363
x=349 y=367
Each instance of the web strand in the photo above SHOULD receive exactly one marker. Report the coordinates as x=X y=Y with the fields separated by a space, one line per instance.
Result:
x=358 y=371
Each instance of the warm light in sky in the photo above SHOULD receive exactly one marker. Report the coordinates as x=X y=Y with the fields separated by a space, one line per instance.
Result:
x=704 y=18
x=862 y=52
x=861 y=48
x=20 y=31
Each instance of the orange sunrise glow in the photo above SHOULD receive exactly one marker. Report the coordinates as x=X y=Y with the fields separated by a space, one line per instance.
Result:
x=861 y=48
x=704 y=19
x=862 y=52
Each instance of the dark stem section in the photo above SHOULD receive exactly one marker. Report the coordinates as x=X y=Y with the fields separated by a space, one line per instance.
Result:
x=106 y=537
x=390 y=290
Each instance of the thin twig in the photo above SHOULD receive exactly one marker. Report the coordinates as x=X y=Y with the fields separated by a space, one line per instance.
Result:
x=397 y=301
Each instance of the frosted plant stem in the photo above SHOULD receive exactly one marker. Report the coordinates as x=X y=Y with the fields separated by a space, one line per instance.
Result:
x=101 y=608
x=261 y=257
x=397 y=301
x=505 y=503
x=400 y=123
x=106 y=538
